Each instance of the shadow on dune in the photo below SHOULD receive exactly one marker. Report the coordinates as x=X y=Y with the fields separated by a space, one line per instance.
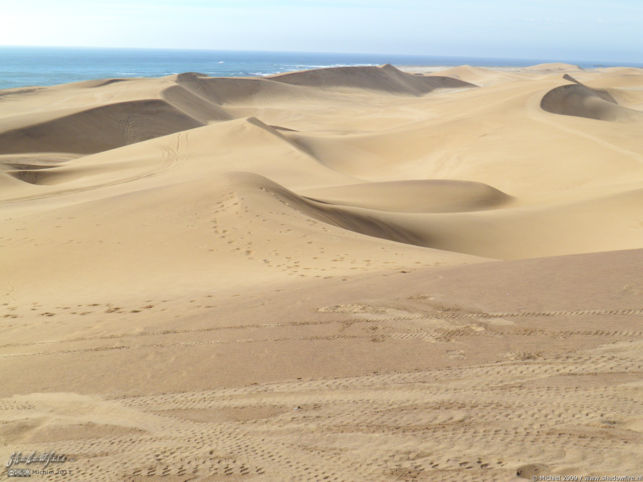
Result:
x=497 y=233
x=238 y=90
x=359 y=222
x=199 y=107
x=577 y=99
x=99 y=129
x=304 y=84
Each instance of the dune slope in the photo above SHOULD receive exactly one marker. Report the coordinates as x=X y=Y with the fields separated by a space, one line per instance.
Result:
x=98 y=129
x=579 y=100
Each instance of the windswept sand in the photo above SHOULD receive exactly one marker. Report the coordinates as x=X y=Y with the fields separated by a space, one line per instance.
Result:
x=343 y=274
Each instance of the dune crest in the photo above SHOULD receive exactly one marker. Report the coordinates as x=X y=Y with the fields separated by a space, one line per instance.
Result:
x=415 y=196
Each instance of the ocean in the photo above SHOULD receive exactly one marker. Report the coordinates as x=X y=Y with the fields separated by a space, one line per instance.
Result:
x=31 y=66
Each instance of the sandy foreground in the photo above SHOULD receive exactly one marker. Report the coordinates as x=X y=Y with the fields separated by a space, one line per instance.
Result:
x=343 y=274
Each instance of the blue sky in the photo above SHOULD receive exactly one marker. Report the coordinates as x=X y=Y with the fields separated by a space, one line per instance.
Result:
x=538 y=29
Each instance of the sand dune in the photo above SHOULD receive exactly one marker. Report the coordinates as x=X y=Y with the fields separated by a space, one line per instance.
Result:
x=414 y=196
x=386 y=78
x=197 y=107
x=339 y=274
x=91 y=84
x=580 y=100
x=224 y=91
x=504 y=234
x=480 y=76
x=99 y=129
x=555 y=66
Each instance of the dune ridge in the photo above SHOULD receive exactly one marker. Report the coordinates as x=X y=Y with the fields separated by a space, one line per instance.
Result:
x=224 y=91
x=415 y=196
x=386 y=78
x=195 y=106
x=352 y=273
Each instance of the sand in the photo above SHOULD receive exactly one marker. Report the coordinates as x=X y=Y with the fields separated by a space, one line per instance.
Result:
x=343 y=274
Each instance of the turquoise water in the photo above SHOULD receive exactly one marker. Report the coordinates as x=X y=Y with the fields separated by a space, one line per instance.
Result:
x=29 y=66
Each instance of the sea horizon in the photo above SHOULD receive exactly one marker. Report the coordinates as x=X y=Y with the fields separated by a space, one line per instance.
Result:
x=27 y=66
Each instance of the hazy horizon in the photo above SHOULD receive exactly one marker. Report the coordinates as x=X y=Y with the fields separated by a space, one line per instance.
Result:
x=593 y=30
x=506 y=61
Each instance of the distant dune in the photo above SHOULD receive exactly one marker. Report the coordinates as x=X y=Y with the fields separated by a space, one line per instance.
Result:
x=386 y=78
x=352 y=273
x=555 y=67
x=481 y=76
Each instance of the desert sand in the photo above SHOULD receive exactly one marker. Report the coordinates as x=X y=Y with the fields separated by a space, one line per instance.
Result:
x=357 y=273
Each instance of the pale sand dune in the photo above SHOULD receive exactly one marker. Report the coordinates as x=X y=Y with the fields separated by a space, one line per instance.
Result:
x=555 y=66
x=342 y=274
x=480 y=76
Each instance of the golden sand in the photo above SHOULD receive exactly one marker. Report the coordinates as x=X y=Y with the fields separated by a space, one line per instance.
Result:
x=342 y=274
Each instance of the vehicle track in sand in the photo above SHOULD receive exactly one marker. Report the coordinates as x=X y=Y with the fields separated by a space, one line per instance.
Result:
x=569 y=410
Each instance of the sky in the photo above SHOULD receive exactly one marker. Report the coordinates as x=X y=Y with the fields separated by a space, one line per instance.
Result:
x=608 y=30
